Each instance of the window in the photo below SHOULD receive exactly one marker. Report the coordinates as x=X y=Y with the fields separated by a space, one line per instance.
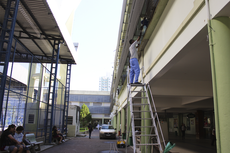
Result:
x=97 y=104
x=70 y=120
x=31 y=119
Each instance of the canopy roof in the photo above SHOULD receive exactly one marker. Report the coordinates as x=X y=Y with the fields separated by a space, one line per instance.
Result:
x=36 y=29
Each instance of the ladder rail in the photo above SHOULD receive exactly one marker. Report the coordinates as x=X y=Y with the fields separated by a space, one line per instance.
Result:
x=143 y=109
x=146 y=147
x=128 y=130
x=128 y=88
x=156 y=114
x=153 y=120
x=66 y=99
x=132 y=122
x=8 y=41
x=129 y=98
x=50 y=112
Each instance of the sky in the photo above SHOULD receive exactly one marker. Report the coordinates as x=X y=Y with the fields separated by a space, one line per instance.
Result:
x=96 y=29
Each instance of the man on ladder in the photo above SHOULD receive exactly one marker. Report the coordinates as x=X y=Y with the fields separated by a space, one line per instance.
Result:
x=135 y=69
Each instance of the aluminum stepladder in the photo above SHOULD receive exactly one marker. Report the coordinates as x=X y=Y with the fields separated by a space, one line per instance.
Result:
x=141 y=101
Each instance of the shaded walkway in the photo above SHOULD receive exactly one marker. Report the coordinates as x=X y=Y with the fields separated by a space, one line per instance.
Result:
x=191 y=144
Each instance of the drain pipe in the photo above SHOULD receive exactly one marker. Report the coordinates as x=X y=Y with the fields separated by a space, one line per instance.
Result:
x=211 y=49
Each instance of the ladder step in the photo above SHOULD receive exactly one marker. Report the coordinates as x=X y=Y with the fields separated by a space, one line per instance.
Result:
x=142 y=118
x=148 y=144
x=146 y=135
x=144 y=126
x=137 y=84
x=3 y=52
x=138 y=91
x=5 y=29
x=139 y=104
x=137 y=111
x=139 y=97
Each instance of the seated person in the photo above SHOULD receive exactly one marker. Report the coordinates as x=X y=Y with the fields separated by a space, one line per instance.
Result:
x=65 y=130
x=57 y=134
x=19 y=136
x=8 y=142
x=138 y=131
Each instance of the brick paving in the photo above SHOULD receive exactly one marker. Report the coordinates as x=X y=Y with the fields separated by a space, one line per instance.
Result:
x=96 y=145
x=86 y=145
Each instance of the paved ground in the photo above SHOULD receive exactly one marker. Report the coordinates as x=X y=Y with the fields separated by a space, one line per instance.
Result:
x=86 y=145
x=191 y=144
x=96 y=145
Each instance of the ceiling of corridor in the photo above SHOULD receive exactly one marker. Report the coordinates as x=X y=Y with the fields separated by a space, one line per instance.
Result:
x=185 y=83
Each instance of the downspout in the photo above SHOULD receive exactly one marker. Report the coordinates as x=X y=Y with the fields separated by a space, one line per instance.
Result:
x=210 y=30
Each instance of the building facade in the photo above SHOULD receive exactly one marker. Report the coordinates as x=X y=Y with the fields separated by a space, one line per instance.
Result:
x=73 y=125
x=36 y=59
x=183 y=56
x=98 y=103
x=104 y=83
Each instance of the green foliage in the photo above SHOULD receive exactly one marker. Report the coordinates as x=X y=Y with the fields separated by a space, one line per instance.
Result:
x=88 y=118
x=85 y=116
x=84 y=111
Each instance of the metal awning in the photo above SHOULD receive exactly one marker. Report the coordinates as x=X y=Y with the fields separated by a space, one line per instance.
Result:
x=35 y=31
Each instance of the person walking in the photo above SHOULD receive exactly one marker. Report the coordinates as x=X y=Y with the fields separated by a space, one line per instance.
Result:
x=134 y=64
x=213 y=137
x=98 y=126
x=183 y=129
x=90 y=127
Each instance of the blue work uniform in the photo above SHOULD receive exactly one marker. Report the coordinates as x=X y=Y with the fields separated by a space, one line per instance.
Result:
x=135 y=69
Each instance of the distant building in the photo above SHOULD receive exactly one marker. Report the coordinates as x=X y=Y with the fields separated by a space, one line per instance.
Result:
x=98 y=103
x=104 y=83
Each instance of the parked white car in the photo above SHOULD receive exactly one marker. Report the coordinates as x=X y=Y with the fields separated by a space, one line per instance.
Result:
x=107 y=131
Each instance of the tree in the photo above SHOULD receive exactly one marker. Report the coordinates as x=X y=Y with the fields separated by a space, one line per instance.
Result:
x=85 y=116
x=88 y=118
x=84 y=111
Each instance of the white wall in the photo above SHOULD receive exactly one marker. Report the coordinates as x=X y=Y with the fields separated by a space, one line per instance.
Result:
x=175 y=15
x=74 y=128
x=105 y=104
x=97 y=115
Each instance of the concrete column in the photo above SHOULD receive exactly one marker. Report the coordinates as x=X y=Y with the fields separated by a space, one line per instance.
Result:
x=180 y=121
x=115 y=121
x=199 y=124
x=122 y=120
x=129 y=129
x=34 y=109
x=142 y=124
x=145 y=123
x=219 y=37
x=118 y=122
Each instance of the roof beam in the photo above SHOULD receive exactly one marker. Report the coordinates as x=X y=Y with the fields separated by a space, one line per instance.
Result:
x=34 y=19
x=19 y=24
x=37 y=23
